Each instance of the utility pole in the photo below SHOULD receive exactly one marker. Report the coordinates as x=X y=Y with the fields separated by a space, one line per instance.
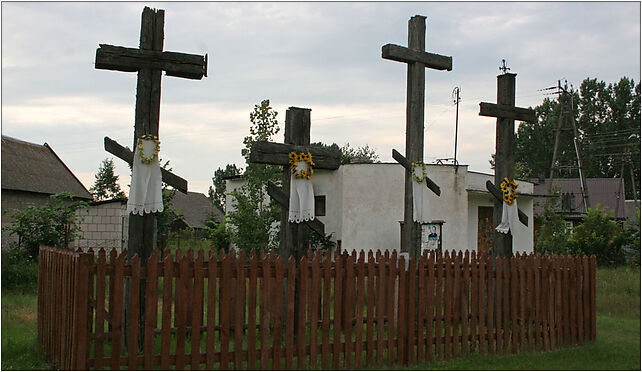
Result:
x=565 y=98
x=456 y=99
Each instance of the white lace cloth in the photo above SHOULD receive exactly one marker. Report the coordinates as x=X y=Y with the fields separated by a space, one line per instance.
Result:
x=145 y=192
x=510 y=218
x=420 y=201
x=301 y=197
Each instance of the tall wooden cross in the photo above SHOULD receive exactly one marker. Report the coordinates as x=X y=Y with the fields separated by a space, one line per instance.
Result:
x=148 y=61
x=506 y=114
x=294 y=237
x=418 y=60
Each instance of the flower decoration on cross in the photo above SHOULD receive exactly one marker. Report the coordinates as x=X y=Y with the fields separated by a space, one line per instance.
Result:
x=509 y=188
x=298 y=172
x=423 y=176
x=141 y=152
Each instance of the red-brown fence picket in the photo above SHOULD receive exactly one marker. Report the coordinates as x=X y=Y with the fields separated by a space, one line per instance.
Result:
x=229 y=312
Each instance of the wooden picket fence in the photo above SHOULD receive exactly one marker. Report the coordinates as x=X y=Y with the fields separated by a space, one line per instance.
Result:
x=232 y=313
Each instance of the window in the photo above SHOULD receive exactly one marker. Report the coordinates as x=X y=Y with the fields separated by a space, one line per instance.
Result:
x=319 y=205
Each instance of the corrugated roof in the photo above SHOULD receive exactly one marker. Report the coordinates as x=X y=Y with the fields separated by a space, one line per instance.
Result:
x=196 y=208
x=36 y=168
x=607 y=192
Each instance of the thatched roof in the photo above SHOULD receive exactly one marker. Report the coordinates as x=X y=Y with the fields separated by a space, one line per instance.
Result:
x=36 y=168
x=196 y=208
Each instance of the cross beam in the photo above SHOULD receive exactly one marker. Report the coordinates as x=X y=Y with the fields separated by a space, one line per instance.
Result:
x=408 y=165
x=506 y=114
x=127 y=155
x=278 y=154
x=418 y=60
x=190 y=66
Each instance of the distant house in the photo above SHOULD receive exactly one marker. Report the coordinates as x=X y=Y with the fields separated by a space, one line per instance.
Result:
x=567 y=192
x=196 y=208
x=31 y=173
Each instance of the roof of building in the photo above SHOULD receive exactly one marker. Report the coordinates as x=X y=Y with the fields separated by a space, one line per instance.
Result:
x=36 y=168
x=196 y=208
x=607 y=192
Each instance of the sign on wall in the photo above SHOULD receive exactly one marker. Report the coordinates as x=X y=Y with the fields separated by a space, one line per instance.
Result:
x=431 y=236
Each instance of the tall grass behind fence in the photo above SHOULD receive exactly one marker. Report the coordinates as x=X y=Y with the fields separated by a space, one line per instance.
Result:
x=232 y=313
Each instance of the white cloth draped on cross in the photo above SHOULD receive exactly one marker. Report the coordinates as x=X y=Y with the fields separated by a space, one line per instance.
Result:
x=420 y=194
x=510 y=217
x=301 y=190
x=145 y=192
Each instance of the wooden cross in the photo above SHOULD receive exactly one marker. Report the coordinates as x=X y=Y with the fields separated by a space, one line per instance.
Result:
x=418 y=60
x=149 y=61
x=506 y=114
x=294 y=237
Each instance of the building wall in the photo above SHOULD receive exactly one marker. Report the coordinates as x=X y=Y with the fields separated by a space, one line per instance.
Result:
x=103 y=226
x=364 y=205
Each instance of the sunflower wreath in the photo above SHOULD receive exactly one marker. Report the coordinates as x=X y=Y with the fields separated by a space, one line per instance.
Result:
x=509 y=188
x=141 y=152
x=415 y=164
x=294 y=161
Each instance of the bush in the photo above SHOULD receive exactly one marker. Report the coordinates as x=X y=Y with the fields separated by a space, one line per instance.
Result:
x=54 y=225
x=601 y=236
x=19 y=271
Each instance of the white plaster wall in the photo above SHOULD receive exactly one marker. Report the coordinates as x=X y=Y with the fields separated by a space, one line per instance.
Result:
x=364 y=204
x=330 y=184
x=372 y=206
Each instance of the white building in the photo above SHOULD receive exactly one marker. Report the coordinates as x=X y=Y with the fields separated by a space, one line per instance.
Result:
x=361 y=205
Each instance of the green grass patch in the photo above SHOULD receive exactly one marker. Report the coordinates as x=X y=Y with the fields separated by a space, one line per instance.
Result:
x=20 y=350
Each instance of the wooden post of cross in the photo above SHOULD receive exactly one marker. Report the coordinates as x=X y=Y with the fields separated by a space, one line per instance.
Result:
x=294 y=237
x=506 y=114
x=418 y=60
x=148 y=61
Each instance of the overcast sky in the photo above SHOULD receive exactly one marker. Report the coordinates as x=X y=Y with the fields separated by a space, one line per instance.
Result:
x=323 y=56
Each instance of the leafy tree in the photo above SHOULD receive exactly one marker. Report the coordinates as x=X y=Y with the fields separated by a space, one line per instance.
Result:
x=608 y=121
x=364 y=154
x=54 y=225
x=601 y=236
x=217 y=194
x=106 y=185
x=254 y=222
x=218 y=234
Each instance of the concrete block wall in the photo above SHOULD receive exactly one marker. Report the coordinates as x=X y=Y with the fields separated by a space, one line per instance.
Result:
x=103 y=226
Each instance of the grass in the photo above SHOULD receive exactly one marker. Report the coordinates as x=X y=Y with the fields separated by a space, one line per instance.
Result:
x=617 y=346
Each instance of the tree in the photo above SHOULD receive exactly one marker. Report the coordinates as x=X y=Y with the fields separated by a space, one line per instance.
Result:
x=217 y=194
x=608 y=121
x=364 y=154
x=106 y=185
x=53 y=225
x=254 y=224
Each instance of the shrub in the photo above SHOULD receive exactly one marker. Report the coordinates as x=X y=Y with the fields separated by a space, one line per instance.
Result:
x=19 y=271
x=54 y=225
x=601 y=236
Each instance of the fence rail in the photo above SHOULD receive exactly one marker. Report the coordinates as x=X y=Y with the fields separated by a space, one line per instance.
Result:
x=229 y=312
